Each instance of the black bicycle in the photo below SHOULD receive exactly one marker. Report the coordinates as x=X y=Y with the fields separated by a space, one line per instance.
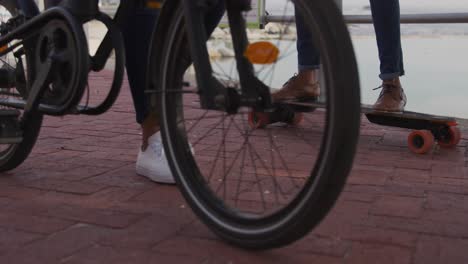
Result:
x=255 y=188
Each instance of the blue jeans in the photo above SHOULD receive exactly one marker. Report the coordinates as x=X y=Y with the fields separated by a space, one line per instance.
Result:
x=386 y=16
x=137 y=34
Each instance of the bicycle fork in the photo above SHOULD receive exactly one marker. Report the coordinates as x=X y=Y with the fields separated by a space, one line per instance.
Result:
x=213 y=95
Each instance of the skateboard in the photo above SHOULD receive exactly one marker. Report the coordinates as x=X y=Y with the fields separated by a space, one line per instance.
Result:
x=427 y=129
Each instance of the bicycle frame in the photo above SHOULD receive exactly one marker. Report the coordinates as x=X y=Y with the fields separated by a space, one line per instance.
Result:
x=83 y=10
x=213 y=95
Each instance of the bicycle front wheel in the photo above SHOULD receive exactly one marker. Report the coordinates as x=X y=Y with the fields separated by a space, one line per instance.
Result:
x=262 y=178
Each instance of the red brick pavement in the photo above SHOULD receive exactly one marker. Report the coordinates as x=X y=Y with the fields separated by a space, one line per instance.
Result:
x=77 y=199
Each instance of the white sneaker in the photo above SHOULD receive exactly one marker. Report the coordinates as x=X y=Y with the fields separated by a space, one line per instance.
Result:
x=152 y=163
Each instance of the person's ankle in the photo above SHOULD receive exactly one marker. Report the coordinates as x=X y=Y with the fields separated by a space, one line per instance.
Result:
x=307 y=76
x=150 y=126
x=394 y=82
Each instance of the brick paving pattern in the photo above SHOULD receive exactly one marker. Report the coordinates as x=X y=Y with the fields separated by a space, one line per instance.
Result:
x=77 y=199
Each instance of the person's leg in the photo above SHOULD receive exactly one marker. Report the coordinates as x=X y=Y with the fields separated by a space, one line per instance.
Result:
x=137 y=46
x=143 y=18
x=386 y=17
x=305 y=84
x=308 y=56
x=137 y=33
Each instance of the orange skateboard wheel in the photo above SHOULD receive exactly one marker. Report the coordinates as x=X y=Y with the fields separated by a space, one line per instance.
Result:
x=420 y=141
x=454 y=138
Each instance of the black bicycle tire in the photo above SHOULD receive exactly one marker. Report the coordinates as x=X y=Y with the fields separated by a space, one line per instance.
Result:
x=342 y=136
x=16 y=154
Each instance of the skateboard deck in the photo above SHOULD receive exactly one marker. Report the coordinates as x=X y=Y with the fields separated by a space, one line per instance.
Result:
x=405 y=119
x=428 y=129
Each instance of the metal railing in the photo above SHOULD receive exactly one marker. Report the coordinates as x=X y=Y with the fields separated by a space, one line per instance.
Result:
x=435 y=18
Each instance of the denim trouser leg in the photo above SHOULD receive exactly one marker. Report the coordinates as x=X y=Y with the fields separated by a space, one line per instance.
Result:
x=386 y=16
x=308 y=56
x=137 y=33
x=137 y=50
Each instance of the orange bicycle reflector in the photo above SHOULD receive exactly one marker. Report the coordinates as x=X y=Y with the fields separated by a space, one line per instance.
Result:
x=262 y=52
x=153 y=4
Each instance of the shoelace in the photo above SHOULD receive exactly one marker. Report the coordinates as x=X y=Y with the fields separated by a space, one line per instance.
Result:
x=386 y=88
x=295 y=77
x=290 y=79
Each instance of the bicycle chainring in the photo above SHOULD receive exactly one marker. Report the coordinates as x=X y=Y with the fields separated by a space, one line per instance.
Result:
x=57 y=41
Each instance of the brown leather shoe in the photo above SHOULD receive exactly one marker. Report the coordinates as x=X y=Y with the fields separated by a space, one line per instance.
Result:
x=297 y=89
x=392 y=98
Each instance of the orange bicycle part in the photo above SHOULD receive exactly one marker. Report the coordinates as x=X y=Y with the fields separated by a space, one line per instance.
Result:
x=262 y=52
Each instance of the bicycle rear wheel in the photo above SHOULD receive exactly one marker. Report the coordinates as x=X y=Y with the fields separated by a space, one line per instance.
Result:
x=260 y=188
x=17 y=72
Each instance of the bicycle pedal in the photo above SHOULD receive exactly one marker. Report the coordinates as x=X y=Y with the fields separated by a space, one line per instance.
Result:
x=10 y=132
x=299 y=105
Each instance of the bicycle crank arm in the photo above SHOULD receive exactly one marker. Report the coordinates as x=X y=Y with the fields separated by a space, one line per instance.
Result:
x=38 y=88
x=21 y=104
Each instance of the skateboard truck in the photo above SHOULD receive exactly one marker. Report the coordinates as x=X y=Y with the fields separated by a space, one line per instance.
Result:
x=422 y=141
